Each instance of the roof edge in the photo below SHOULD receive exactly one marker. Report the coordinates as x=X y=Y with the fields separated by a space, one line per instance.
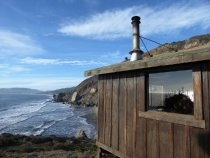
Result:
x=156 y=61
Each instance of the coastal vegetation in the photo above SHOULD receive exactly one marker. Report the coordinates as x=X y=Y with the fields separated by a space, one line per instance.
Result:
x=20 y=146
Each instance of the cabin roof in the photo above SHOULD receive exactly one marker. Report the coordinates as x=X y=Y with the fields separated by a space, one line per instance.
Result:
x=180 y=57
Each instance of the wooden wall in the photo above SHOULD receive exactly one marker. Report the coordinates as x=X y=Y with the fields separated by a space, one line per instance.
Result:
x=117 y=114
x=124 y=133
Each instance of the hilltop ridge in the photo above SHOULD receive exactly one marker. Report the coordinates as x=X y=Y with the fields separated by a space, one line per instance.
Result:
x=192 y=43
x=19 y=91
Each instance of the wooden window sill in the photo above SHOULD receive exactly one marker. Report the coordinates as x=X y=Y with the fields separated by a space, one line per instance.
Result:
x=188 y=120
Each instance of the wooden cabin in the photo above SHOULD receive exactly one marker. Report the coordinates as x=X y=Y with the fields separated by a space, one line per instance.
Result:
x=158 y=107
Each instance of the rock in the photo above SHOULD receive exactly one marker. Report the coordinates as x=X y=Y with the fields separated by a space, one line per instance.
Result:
x=191 y=44
x=80 y=134
x=93 y=90
x=85 y=94
x=95 y=136
x=60 y=97
x=74 y=97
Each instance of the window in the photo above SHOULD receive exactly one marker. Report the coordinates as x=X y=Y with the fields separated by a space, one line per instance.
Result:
x=171 y=91
x=173 y=94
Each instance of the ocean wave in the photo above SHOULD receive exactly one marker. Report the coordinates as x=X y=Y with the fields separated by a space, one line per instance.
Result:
x=44 y=117
x=83 y=120
x=40 y=119
x=38 y=130
x=20 y=113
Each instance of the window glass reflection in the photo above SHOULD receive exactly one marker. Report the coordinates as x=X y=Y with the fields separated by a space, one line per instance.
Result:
x=171 y=91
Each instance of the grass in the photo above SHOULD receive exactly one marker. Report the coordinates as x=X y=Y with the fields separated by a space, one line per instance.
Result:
x=43 y=147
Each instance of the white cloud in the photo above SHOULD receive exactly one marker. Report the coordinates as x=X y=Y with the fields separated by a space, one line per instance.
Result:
x=17 y=44
x=6 y=69
x=39 y=61
x=42 y=83
x=103 y=60
x=111 y=58
x=44 y=61
x=18 y=68
x=114 y=24
x=110 y=24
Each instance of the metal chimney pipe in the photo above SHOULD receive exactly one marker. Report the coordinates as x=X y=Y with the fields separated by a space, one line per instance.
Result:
x=136 y=53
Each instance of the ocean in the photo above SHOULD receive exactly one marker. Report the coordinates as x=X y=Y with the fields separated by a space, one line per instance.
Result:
x=36 y=114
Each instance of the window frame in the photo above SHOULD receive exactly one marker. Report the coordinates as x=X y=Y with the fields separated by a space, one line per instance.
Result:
x=171 y=82
x=197 y=118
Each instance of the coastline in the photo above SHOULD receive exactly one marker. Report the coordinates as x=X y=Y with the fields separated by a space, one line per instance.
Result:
x=42 y=116
x=91 y=117
x=22 y=146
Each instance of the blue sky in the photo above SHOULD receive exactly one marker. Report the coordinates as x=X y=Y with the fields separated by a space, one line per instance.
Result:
x=48 y=44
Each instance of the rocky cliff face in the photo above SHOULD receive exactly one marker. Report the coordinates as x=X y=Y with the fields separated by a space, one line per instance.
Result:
x=60 y=97
x=86 y=92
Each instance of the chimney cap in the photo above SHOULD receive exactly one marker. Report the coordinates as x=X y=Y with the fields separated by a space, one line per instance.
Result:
x=135 y=18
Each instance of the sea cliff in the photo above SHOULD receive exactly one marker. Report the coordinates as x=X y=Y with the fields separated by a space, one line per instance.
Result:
x=84 y=94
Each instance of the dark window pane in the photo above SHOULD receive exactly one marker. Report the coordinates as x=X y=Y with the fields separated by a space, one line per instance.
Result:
x=171 y=91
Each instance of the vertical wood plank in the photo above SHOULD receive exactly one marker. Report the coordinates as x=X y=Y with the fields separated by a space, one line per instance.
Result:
x=125 y=115
x=104 y=103
x=134 y=114
x=207 y=113
x=181 y=141
x=115 y=112
x=166 y=140
x=122 y=111
x=108 y=105
x=206 y=104
x=141 y=92
x=99 y=153
x=101 y=112
x=141 y=130
x=206 y=94
x=204 y=139
x=129 y=113
x=197 y=85
x=196 y=147
x=207 y=154
x=141 y=138
x=152 y=139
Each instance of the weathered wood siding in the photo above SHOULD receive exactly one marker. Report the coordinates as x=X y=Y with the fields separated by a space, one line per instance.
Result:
x=117 y=111
x=124 y=133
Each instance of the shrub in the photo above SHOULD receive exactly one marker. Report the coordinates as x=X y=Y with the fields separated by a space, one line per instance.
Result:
x=179 y=103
